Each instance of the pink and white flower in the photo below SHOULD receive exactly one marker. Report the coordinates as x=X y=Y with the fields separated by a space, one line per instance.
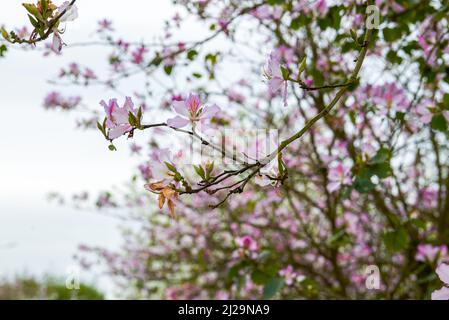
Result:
x=443 y=293
x=118 y=118
x=338 y=176
x=276 y=81
x=430 y=253
x=71 y=12
x=192 y=111
x=247 y=243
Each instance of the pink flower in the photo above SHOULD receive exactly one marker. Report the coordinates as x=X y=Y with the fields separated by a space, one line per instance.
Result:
x=191 y=111
x=276 y=81
x=138 y=55
x=423 y=113
x=54 y=100
x=74 y=69
x=89 y=74
x=290 y=275
x=247 y=242
x=105 y=25
x=338 y=176
x=321 y=7
x=71 y=12
x=443 y=293
x=56 y=46
x=430 y=253
x=118 y=118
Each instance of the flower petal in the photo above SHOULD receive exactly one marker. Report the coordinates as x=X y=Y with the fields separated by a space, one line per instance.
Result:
x=441 y=294
x=57 y=43
x=180 y=108
x=210 y=111
x=443 y=272
x=275 y=84
x=71 y=13
x=118 y=131
x=178 y=122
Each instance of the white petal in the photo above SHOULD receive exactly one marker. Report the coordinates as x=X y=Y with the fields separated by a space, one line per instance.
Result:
x=443 y=272
x=118 y=131
x=71 y=13
x=210 y=112
x=178 y=122
x=180 y=108
x=441 y=294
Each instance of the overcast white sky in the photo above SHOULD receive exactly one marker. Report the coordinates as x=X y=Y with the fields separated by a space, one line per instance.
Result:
x=41 y=151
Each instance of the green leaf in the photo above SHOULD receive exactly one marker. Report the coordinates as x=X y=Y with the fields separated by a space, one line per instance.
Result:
x=192 y=54
x=285 y=73
x=111 y=147
x=438 y=123
x=170 y=167
x=302 y=67
x=397 y=240
x=4 y=33
x=132 y=119
x=209 y=169
x=200 y=171
x=3 y=49
x=354 y=35
x=420 y=224
x=338 y=238
x=273 y=286
x=33 y=21
x=381 y=156
x=259 y=277
x=32 y=9
x=300 y=21
x=139 y=117
x=363 y=185
x=168 y=70
x=446 y=100
x=392 y=34
x=44 y=5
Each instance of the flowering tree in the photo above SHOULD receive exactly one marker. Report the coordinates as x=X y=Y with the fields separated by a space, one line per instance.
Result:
x=298 y=150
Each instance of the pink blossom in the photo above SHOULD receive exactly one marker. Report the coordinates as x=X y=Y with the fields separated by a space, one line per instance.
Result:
x=89 y=74
x=443 y=273
x=430 y=253
x=158 y=165
x=247 y=242
x=338 y=176
x=56 y=46
x=22 y=32
x=423 y=113
x=74 y=69
x=276 y=81
x=135 y=148
x=54 y=100
x=321 y=7
x=71 y=12
x=138 y=55
x=105 y=25
x=118 y=118
x=191 y=111
x=290 y=275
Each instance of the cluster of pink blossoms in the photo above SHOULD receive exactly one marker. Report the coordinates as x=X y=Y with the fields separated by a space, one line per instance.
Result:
x=55 y=100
